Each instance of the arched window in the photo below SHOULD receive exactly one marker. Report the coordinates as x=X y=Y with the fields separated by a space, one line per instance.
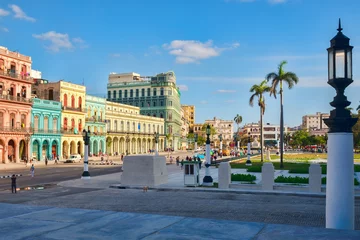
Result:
x=143 y=92
x=120 y=94
x=65 y=100
x=23 y=120
x=54 y=124
x=131 y=93
x=36 y=123
x=144 y=127
x=134 y=129
x=46 y=123
x=125 y=93
x=148 y=92
x=162 y=129
x=1 y=118
x=109 y=125
x=128 y=126
x=149 y=128
x=72 y=124
x=80 y=102
x=65 y=124
x=115 y=125
x=161 y=115
x=114 y=94
x=137 y=93
x=154 y=128
x=154 y=92
x=109 y=95
x=80 y=125
x=158 y=129
x=154 y=115
x=12 y=120
x=122 y=126
x=72 y=101
x=161 y=91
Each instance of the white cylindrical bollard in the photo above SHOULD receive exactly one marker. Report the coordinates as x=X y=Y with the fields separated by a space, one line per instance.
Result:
x=340 y=182
x=86 y=174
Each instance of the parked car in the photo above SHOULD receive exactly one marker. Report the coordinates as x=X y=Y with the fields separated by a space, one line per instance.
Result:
x=74 y=158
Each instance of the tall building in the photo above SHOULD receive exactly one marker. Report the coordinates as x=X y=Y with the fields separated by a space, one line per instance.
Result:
x=185 y=129
x=15 y=105
x=189 y=114
x=157 y=96
x=128 y=132
x=72 y=97
x=315 y=121
x=271 y=132
x=224 y=127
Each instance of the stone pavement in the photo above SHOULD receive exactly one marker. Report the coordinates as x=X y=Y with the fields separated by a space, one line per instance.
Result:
x=40 y=222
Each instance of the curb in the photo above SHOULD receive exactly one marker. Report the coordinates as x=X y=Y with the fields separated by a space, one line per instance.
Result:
x=216 y=190
x=104 y=164
x=9 y=176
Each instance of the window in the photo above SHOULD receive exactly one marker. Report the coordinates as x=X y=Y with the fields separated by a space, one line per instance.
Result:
x=109 y=95
x=143 y=92
x=109 y=125
x=137 y=93
x=125 y=94
x=46 y=123
x=131 y=93
x=154 y=115
x=122 y=126
x=72 y=101
x=51 y=94
x=148 y=92
x=154 y=104
x=80 y=102
x=72 y=124
x=170 y=92
x=161 y=115
x=23 y=120
x=161 y=103
x=144 y=126
x=170 y=103
x=65 y=100
x=54 y=124
x=154 y=92
x=133 y=128
x=114 y=94
x=65 y=124
x=161 y=91
x=36 y=123
x=115 y=125
x=128 y=126
x=1 y=119
x=12 y=120
x=142 y=104
x=149 y=129
x=120 y=94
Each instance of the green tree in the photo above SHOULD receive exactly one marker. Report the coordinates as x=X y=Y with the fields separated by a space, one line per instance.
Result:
x=278 y=78
x=259 y=91
x=238 y=120
x=212 y=129
x=201 y=140
x=300 y=138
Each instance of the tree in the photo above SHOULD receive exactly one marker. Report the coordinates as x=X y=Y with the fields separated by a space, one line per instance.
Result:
x=168 y=137
x=212 y=129
x=238 y=120
x=277 y=78
x=258 y=91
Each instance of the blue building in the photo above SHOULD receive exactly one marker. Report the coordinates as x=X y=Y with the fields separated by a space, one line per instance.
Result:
x=95 y=122
x=45 y=121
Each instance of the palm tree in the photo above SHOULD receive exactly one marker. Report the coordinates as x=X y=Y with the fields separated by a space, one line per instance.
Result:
x=277 y=78
x=238 y=120
x=258 y=91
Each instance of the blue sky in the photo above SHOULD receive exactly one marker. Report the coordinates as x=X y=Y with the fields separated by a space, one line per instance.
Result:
x=217 y=48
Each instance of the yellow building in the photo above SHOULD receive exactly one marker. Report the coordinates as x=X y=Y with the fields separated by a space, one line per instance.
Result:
x=72 y=97
x=189 y=114
x=128 y=132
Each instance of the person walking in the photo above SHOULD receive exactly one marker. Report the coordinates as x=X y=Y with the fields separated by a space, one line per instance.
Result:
x=46 y=161
x=32 y=171
x=13 y=183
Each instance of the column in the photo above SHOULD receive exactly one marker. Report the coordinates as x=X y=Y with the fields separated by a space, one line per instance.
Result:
x=17 y=149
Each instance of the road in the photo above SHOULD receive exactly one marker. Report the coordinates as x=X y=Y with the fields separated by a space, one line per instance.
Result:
x=52 y=174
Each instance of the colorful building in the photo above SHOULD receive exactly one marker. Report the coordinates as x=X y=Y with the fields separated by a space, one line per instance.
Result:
x=157 y=96
x=15 y=105
x=95 y=122
x=46 y=123
x=128 y=132
x=72 y=98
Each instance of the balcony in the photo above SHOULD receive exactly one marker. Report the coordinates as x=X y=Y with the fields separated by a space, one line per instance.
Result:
x=46 y=131
x=22 y=77
x=15 y=99
x=75 y=109
x=132 y=132
x=92 y=134
x=70 y=131
x=16 y=129
x=95 y=119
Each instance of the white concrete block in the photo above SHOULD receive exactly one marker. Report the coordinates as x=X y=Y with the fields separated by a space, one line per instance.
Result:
x=224 y=176
x=315 y=178
x=267 y=176
x=144 y=170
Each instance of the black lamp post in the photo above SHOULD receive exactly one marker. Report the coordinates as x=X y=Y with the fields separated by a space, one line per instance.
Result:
x=195 y=141
x=221 y=143
x=156 y=137
x=127 y=139
x=207 y=181
x=248 y=161
x=86 y=138
x=340 y=162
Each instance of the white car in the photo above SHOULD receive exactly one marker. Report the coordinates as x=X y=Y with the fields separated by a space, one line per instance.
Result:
x=74 y=158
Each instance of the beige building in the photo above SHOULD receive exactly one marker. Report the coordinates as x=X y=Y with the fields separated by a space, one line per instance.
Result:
x=315 y=121
x=129 y=132
x=224 y=127
x=72 y=97
x=185 y=129
x=271 y=132
x=189 y=114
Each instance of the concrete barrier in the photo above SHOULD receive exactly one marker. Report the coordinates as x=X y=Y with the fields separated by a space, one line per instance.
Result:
x=267 y=176
x=224 y=175
x=315 y=178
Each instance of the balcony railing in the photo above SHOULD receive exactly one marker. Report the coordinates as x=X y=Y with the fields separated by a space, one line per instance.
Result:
x=23 y=77
x=78 y=109
x=97 y=134
x=69 y=131
x=131 y=132
x=15 y=98
x=47 y=131
x=15 y=129
x=95 y=119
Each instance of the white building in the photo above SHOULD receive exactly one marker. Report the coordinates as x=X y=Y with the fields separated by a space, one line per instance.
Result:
x=224 y=127
x=271 y=132
x=315 y=121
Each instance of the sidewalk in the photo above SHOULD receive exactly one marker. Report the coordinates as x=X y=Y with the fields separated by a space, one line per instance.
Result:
x=68 y=223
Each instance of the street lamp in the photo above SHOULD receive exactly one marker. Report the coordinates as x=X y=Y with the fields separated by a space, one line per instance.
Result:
x=127 y=139
x=248 y=161
x=156 y=136
x=207 y=181
x=340 y=162
x=220 y=139
x=195 y=141
x=27 y=140
x=86 y=137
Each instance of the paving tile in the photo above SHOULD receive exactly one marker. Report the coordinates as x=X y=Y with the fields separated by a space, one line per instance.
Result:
x=196 y=228
x=12 y=210
x=277 y=231
x=66 y=215
x=115 y=226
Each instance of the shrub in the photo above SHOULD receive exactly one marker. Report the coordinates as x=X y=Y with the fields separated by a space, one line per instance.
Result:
x=299 y=170
x=254 y=169
x=290 y=179
x=356 y=182
x=242 y=177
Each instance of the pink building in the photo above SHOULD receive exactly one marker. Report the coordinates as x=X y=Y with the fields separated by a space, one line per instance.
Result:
x=15 y=105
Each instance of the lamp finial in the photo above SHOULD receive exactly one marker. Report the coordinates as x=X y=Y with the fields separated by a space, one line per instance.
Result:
x=339 y=28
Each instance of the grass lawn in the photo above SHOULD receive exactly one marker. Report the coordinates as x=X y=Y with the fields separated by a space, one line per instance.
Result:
x=292 y=167
x=303 y=180
x=303 y=156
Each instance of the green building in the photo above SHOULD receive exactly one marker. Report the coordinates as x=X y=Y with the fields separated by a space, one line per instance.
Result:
x=157 y=96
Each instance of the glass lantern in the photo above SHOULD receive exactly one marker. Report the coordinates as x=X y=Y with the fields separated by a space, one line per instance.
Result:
x=208 y=130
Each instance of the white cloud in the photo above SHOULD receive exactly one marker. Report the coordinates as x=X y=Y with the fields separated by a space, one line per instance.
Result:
x=203 y=102
x=183 y=87
x=191 y=51
x=57 y=41
x=4 y=29
x=225 y=91
x=3 y=12
x=115 y=55
x=79 y=42
x=20 y=14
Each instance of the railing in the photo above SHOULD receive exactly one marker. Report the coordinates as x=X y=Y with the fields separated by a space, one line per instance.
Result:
x=132 y=132
x=50 y=131
x=15 y=98
x=15 y=129
x=94 y=119
x=97 y=134
x=23 y=77
x=69 y=131
x=78 y=109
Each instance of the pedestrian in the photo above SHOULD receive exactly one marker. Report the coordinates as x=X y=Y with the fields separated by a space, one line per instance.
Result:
x=171 y=160
x=32 y=170
x=13 y=183
x=46 y=161
x=122 y=157
x=182 y=164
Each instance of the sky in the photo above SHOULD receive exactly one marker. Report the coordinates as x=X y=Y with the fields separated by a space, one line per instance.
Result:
x=217 y=48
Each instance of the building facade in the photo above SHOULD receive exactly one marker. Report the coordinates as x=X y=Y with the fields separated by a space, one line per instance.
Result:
x=156 y=96
x=185 y=129
x=95 y=122
x=189 y=114
x=72 y=98
x=46 y=123
x=129 y=132
x=224 y=127
x=271 y=132
x=15 y=105
x=315 y=121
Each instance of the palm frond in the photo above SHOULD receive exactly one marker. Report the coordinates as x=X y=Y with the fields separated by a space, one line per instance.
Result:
x=271 y=77
x=251 y=101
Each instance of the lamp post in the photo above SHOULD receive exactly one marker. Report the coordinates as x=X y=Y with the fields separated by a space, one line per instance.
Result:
x=156 y=136
x=86 y=137
x=248 y=161
x=195 y=141
x=340 y=162
x=27 y=140
x=127 y=139
x=207 y=181
x=220 y=139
